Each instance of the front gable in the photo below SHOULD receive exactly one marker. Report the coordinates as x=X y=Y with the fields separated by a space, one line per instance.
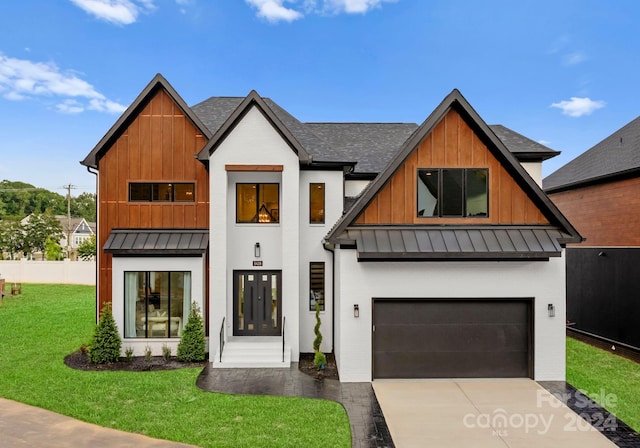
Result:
x=512 y=218
x=452 y=143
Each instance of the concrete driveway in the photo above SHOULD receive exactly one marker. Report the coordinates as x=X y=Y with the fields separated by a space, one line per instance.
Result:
x=481 y=413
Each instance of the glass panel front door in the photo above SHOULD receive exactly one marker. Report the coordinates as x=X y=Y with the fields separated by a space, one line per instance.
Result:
x=257 y=303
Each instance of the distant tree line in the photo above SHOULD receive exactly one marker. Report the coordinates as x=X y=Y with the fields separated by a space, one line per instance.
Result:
x=19 y=199
x=42 y=231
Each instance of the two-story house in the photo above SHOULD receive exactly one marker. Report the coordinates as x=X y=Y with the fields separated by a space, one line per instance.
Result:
x=430 y=249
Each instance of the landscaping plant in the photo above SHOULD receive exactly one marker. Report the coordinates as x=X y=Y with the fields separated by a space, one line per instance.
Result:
x=106 y=343
x=192 y=343
x=319 y=359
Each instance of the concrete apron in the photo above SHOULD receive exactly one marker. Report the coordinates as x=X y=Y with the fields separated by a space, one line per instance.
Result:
x=481 y=413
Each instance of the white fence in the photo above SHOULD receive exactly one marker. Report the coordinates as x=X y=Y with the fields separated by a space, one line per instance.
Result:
x=67 y=272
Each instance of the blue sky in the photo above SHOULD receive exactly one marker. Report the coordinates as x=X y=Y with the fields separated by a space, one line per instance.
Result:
x=560 y=72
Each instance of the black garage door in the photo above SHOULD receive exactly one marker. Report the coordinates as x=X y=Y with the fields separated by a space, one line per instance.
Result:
x=452 y=338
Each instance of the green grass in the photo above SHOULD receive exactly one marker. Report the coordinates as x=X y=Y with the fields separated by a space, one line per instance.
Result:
x=38 y=329
x=603 y=376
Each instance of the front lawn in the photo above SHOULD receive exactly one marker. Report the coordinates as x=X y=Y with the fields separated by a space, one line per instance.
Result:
x=606 y=378
x=38 y=329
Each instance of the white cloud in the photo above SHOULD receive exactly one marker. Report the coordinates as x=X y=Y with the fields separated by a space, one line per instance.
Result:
x=353 y=6
x=577 y=107
x=21 y=79
x=118 y=12
x=274 y=10
x=544 y=142
x=575 y=58
x=70 y=107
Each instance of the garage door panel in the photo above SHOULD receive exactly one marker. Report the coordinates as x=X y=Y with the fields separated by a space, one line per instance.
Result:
x=452 y=338
x=441 y=364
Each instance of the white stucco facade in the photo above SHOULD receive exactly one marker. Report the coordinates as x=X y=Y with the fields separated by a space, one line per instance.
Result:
x=358 y=283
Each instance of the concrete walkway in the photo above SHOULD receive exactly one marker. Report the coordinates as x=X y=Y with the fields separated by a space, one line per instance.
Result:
x=22 y=426
x=481 y=413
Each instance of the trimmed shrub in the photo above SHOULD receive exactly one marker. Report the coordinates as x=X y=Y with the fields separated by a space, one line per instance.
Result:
x=192 y=343
x=166 y=352
x=319 y=360
x=106 y=343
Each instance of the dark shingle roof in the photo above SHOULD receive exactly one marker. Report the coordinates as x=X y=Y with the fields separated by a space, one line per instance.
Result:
x=372 y=145
x=522 y=147
x=615 y=155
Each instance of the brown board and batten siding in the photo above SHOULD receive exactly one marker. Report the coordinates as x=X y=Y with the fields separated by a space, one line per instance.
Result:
x=159 y=145
x=451 y=144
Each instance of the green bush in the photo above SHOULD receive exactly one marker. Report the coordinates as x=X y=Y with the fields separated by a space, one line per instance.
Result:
x=166 y=352
x=319 y=360
x=106 y=343
x=192 y=343
x=128 y=354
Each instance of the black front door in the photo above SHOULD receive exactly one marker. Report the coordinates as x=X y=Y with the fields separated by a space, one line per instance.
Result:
x=257 y=303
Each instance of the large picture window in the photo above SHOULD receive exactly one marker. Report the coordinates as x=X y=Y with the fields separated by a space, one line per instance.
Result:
x=156 y=304
x=316 y=203
x=161 y=192
x=453 y=192
x=259 y=203
x=316 y=285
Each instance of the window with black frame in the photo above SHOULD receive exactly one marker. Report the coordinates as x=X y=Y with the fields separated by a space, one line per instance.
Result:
x=156 y=303
x=316 y=285
x=453 y=192
x=257 y=203
x=161 y=192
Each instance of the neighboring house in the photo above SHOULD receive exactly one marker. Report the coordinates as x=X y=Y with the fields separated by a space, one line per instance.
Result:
x=78 y=229
x=430 y=249
x=598 y=192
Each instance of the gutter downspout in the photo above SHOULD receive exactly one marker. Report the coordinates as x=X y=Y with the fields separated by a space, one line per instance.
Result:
x=97 y=310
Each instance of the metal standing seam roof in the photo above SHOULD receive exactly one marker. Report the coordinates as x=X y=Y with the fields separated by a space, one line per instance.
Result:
x=455 y=243
x=157 y=242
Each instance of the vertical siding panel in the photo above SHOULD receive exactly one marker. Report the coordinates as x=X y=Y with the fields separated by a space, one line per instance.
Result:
x=451 y=146
x=144 y=146
x=438 y=141
x=504 y=199
x=156 y=216
x=517 y=205
x=167 y=216
x=181 y=158
x=398 y=205
x=179 y=215
x=410 y=187
x=465 y=150
x=123 y=214
x=167 y=148
x=425 y=152
x=384 y=205
x=134 y=216
x=371 y=213
x=134 y=150
x=123 y=167
x=145 y=216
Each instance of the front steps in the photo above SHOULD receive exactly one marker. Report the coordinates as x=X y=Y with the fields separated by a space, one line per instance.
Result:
x=253 y=352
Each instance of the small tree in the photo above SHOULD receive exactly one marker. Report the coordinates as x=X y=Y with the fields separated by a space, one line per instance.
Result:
x=106 y=343
x=87 y=249
x=52 y=250
x=192 y=343
x=319 y=359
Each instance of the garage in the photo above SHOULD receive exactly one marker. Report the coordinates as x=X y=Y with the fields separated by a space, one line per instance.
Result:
x=452 y=338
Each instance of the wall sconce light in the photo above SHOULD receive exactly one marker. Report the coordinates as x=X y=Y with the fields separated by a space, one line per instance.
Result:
x=256 y=250
x=552 y=310
x=602 y=254
x=356 y=310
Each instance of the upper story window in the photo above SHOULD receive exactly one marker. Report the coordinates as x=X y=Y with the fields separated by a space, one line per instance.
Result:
x=258 y=203
x=161 y=192
x=316 y=203
x=453 y=192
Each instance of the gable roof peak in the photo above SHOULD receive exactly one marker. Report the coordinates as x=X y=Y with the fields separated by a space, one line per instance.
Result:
x=253 y=99
x=158 y=82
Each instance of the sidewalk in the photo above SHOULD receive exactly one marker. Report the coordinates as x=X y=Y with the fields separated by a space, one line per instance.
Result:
x=22 y=426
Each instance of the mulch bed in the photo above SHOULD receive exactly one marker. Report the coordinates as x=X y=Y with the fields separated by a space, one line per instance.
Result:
x=330 y=371
x=80 y=361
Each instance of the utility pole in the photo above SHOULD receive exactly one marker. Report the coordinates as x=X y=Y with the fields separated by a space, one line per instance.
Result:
x=69 y=187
